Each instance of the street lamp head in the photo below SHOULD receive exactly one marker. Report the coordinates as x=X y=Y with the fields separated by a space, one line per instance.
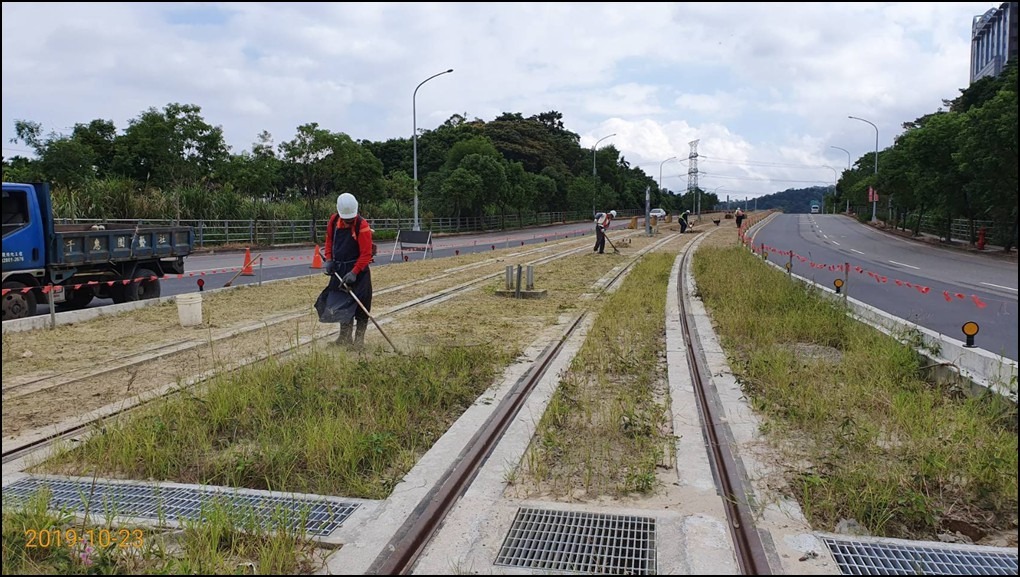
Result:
x=603 y=138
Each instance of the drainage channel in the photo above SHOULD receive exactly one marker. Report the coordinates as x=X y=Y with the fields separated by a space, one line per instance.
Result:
x=155 y=503
x=896 y=557
x=580 y=542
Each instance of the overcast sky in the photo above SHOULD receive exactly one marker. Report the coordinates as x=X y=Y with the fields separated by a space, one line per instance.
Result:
x=765 y=88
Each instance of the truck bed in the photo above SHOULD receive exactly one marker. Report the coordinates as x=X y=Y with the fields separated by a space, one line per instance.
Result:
x=80 y=244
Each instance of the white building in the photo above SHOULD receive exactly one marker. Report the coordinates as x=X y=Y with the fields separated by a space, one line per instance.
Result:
x=993 y=41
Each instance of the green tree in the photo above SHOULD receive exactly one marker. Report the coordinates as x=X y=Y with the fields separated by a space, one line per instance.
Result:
x=461 y=190
x=173 y=146
x=100 y=136
x=988 y=152
x=495 y=189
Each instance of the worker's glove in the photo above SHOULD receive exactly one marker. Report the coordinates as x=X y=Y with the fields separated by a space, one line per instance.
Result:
x=330 y=267
x=350 y=278
x=602 y=228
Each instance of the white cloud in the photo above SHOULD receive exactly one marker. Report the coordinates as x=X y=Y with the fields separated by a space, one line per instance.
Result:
x=761 y=86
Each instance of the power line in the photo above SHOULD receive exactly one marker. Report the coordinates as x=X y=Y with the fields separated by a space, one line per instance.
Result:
x=761 y=163
x=754 y=179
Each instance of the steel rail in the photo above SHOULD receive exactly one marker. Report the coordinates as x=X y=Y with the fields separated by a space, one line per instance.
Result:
x=750 y=551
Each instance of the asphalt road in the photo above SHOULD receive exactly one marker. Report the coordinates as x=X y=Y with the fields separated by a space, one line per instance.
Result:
x=216 y=268
x=937 y=288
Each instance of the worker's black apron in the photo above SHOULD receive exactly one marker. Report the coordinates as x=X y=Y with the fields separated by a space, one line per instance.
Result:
x=335 y=304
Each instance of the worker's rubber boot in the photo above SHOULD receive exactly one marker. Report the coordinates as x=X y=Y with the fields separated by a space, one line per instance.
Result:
x=359 y=335
x=344 y=338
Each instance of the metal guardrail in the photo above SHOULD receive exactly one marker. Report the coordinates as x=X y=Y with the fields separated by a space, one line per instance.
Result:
x=275 y=232
x=958 y=229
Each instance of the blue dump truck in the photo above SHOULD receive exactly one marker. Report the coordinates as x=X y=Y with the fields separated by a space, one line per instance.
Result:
x=75 y=263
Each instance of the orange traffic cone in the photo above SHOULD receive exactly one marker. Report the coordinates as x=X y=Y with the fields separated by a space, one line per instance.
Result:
x=247 y=270
x=317 y=259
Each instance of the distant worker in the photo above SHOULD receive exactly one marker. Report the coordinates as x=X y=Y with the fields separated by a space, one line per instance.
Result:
x=685 y=221
x=348 y=255
x=602 y=220
x=739 y=216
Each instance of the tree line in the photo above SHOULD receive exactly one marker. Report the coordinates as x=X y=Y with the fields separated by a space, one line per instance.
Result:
x=959 y=162
x=172 y=163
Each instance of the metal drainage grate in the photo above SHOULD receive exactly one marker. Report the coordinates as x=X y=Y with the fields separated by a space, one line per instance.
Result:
x=104 y=500
x=863 y=558
x=580 y=542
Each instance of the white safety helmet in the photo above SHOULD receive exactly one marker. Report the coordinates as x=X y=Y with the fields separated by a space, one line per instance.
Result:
x=613 y=213
x=347 y=205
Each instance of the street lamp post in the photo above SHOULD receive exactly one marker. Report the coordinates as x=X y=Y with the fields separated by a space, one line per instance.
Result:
x=698 y=201
x=835 y=178
x=874 y=203
x=414 y=137
x=594 y=177
x=848 y=168
x=660 y=170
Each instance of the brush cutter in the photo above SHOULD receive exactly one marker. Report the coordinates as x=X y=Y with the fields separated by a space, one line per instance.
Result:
x=364 y=310
x=253 y=259
x=615 y=250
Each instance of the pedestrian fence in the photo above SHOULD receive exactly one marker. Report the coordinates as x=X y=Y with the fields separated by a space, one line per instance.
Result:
x=253 y=232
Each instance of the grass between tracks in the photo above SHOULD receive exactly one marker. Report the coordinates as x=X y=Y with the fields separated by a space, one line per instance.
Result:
x=326 y=423
x=606 y=429
x=867 y=437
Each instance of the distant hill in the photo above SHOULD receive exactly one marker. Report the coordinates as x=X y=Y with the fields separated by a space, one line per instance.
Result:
x=793 y=200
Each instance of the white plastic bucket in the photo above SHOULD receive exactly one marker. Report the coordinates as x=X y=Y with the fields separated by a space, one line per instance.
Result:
x=189 y=309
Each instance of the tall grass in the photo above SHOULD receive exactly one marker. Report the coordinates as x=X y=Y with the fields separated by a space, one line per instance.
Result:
x=124 y=199
x=324 y=423
x=605 y=430
x=883 y=445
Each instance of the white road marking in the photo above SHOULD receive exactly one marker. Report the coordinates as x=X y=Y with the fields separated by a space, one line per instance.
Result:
x=835 y=243
x=906 y=265
x=857 y=251
x=999 y=286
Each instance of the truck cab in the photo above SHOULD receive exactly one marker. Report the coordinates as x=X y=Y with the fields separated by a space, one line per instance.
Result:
x=23 y=230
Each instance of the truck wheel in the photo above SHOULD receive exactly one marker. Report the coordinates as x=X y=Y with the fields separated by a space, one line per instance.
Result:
x=136 y=291
x=18 y=305
x=77 y=299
